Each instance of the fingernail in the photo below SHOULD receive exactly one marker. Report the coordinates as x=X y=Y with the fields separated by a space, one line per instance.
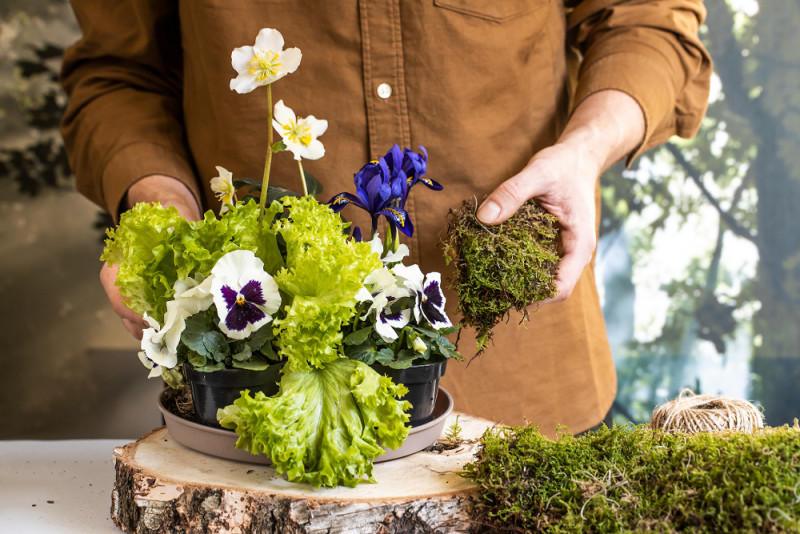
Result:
x=488 y=212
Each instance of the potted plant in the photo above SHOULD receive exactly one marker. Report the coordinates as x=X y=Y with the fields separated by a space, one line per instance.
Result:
x=281 y=288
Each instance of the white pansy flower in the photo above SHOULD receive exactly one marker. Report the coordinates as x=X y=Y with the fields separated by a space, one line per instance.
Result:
x=153 y=346
x=160 y=343
x=263 y=63
x=245 y=295
x=222 y=187
x=299 y=134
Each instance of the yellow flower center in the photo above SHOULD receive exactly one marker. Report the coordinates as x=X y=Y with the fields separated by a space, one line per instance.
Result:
x=299 y=132
x=240 y=300
x=265 y=64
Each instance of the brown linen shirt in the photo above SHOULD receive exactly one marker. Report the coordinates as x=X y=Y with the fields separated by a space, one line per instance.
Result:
x=482 y=85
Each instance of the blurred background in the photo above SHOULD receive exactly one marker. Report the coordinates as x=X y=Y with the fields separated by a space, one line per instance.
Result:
x=698 y=261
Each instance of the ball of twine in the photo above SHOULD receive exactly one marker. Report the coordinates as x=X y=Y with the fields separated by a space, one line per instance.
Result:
x=706 y=413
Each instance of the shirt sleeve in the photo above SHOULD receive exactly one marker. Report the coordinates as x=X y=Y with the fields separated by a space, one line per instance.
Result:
x=649 y=49
x=123 y=80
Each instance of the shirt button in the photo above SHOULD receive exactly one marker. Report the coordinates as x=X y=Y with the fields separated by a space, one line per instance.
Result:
x=384 y=90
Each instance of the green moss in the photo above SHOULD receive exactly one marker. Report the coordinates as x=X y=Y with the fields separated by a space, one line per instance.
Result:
x=634 y=479
x=502 y=267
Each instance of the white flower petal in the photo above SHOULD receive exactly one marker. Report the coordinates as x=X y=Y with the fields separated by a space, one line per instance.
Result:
x=283 y=115
x=394 y=257
x=318 y=126
x=411 y=276
x=315 y=150
x=290 y=59
x=269 y=39
x=244 y=83
x=240 y=58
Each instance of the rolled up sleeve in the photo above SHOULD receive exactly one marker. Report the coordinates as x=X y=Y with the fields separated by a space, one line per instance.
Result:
x=124 y=115
x=651 y=51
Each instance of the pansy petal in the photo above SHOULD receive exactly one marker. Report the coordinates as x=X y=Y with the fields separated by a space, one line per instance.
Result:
x=435 y=316
x=269 y=39
x=411 y=276
x=432 y=290
x=252 y=292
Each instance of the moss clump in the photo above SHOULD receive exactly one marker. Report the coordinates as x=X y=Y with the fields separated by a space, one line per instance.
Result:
x=501 y=267
x=634 y=479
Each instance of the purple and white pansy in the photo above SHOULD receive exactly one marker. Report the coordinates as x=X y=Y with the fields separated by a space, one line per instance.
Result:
x=245 y=295
x=427 y=290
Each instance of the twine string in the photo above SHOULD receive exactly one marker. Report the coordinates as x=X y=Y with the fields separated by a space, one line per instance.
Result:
x=706 y=413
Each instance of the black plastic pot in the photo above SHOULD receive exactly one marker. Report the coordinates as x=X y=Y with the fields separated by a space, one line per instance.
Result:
x=217 y=389
x=422 y=382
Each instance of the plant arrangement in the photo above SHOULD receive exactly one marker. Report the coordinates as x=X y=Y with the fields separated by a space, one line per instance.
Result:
x=635 y=479
x=285 y=280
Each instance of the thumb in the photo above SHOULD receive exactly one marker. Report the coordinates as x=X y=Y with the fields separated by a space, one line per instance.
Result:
x=504 y=201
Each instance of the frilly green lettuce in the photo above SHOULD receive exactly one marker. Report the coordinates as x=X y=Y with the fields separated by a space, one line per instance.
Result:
x=324 y=425
x=324 y=270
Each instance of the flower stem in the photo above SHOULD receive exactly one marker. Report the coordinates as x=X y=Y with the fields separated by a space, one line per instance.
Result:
x=303 y=177
x=262 y=200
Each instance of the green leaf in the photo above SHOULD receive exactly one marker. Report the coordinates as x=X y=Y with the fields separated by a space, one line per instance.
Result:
x=260 y=337
x=196 y=360
x=324 y=425
x=366 y=353
x=210 y=368
x=358 y=337
x=275 y=192
x=245 y=354
x=242 y=182
x=255 y=363
x=313 y=185
x=280 y=146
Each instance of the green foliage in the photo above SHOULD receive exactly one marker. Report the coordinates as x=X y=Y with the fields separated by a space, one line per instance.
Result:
x=207 y=349
x=324 y=270
x=634 y=479
x=366 y=345
x=504 y=267
x=324 y=425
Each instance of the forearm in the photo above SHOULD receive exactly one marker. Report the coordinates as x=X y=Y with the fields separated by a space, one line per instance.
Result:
x=605 y=127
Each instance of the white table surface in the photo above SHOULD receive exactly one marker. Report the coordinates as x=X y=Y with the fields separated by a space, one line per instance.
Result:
x=57 y=487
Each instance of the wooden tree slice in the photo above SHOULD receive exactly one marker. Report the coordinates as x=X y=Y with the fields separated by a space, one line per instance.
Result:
x=162 y=486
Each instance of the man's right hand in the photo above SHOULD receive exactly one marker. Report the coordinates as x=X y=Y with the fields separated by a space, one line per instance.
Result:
x=155 y=188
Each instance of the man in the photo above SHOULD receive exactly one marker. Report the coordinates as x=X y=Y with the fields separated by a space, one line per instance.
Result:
x=516 y=99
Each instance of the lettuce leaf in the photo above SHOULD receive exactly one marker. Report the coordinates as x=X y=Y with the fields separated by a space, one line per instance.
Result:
x=323 y=426
x=324 y=270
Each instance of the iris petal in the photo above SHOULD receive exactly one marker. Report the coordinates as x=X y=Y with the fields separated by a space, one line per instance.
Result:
x=399 y=217
x=341 y=200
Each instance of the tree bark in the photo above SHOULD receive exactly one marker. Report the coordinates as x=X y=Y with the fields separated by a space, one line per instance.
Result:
x=162 y=486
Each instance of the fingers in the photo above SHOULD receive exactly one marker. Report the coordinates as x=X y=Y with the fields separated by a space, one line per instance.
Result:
x=504 y=201
x=133 y=322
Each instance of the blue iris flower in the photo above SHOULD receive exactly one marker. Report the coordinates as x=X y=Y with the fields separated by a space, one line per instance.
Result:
x=380 y=193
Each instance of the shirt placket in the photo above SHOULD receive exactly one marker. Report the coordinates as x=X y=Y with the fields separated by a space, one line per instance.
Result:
x=384 y=83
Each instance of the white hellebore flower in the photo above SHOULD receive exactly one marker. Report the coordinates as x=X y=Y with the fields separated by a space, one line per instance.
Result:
x=245 y=295
x=299 y=135
x=222 y=187
x=429 y=297
x=263 y=63
x=160 y=343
